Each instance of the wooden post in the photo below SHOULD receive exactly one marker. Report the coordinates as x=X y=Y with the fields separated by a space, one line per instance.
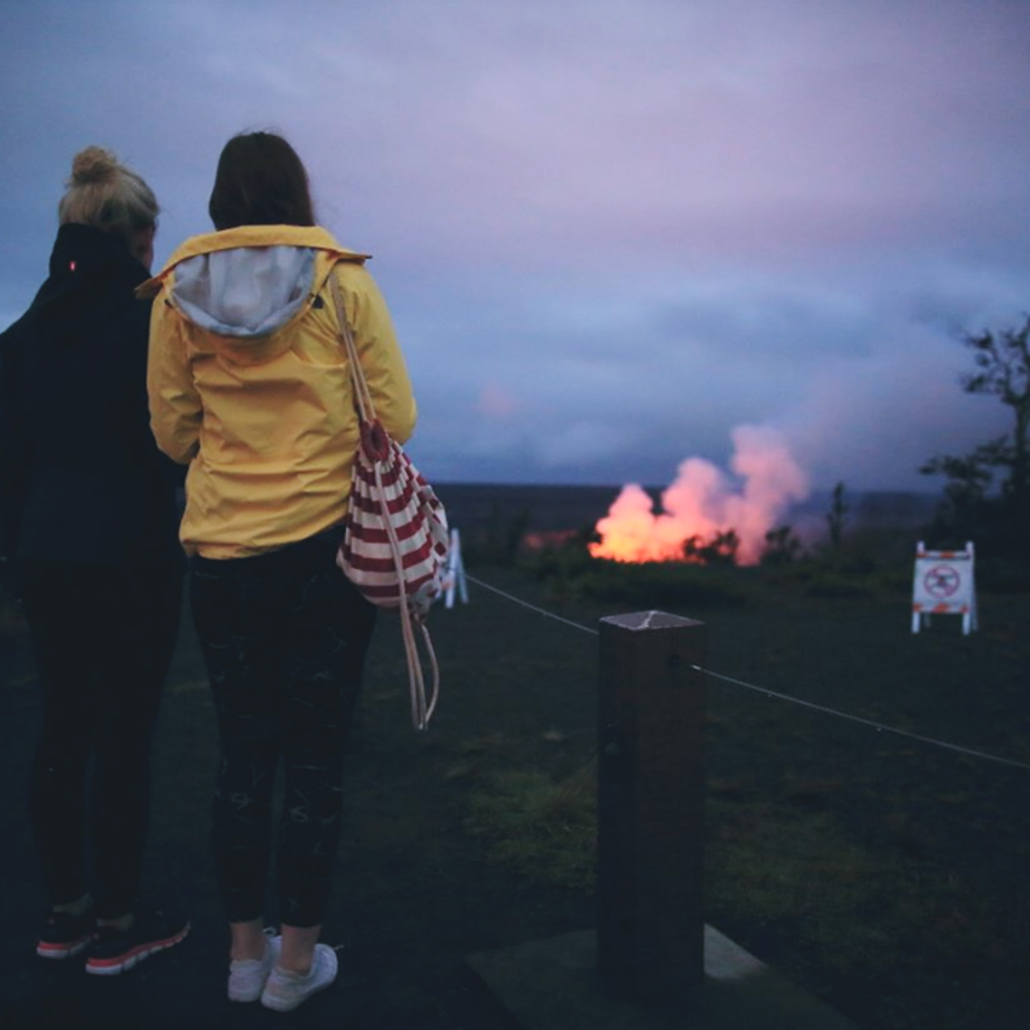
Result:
x=651 y=805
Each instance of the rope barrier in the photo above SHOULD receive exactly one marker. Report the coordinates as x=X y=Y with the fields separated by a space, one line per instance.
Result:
x=531 y=607
x=878 y=726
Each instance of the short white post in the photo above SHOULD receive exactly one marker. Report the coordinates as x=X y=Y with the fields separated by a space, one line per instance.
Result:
x=454 y=573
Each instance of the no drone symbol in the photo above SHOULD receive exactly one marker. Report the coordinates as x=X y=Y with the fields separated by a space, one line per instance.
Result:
x=942 y=581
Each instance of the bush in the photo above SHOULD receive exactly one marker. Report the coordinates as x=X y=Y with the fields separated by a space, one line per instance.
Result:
x=657 y=584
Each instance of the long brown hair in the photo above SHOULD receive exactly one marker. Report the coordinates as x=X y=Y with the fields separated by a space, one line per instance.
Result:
x=260 y=181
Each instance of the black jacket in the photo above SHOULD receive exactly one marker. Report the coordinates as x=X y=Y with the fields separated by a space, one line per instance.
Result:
x=81 y=478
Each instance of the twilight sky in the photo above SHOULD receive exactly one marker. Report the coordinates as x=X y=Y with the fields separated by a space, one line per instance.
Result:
x=611 y=232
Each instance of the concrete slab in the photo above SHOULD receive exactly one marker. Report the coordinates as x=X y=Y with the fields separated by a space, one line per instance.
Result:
x=553 y=984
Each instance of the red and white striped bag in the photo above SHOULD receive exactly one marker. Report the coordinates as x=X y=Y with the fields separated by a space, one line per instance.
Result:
x=395 y=540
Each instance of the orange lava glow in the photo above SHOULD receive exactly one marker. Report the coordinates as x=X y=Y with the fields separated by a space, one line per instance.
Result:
x=703 y=502
x=632 y=532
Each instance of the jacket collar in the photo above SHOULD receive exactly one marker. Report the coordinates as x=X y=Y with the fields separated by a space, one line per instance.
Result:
x=312 y=236
x=83 y=249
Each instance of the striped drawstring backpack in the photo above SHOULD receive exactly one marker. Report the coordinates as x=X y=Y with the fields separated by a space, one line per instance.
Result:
x=394 y=547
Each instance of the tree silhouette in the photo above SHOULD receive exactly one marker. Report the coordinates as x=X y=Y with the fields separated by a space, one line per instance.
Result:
x=836 y=518
x=721 y=549
x=970 y=507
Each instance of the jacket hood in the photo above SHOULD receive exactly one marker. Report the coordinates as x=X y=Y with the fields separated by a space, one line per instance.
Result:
x=83 y=250
x=248 y=282
x=83 y=257
x=251 y=291
x=92 y=273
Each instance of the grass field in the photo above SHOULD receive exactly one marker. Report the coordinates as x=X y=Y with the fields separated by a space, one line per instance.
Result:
x=885 y=874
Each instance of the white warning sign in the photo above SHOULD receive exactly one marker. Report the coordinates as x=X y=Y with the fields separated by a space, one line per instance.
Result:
x=944 y=585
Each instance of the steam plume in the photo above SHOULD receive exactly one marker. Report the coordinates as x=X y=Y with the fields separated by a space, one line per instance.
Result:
x=703 y=501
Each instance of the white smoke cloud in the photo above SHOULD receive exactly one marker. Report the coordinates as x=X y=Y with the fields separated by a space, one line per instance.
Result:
x=703 y=500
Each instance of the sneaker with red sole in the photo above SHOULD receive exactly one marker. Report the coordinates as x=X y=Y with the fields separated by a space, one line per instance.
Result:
x=65 y=934
x=114 y=951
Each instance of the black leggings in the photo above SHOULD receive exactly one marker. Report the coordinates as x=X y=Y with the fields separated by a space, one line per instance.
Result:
x=284 y=636
x=103 y=637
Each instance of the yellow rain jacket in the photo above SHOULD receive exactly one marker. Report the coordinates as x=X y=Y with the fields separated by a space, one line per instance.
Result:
x=249 y=382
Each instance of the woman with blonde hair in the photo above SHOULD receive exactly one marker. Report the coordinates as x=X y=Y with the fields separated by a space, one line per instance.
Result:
x=250 y=386
x=89 y=518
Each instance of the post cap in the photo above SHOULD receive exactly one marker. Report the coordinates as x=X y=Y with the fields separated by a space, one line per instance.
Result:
x=649 y=620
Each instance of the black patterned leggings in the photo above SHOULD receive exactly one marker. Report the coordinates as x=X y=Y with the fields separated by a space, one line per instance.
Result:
x=284 y=637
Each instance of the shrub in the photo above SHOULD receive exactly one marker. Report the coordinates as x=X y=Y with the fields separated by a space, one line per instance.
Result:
x=658 y=584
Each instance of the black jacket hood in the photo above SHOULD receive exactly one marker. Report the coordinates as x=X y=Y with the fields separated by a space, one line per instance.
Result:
x=84 y=264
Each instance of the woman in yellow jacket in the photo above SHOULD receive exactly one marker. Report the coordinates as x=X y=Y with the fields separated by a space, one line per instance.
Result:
x=249 y=386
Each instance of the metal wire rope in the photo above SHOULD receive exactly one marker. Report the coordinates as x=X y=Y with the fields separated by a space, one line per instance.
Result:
x=878 y=726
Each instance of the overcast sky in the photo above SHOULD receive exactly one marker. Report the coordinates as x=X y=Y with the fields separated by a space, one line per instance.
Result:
x=610 y=231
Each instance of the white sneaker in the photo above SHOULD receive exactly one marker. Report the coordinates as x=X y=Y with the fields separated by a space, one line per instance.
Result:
x=247 y=976
x=284 y=990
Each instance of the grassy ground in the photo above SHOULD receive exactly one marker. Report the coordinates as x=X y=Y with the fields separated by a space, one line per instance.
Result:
x=884 y=874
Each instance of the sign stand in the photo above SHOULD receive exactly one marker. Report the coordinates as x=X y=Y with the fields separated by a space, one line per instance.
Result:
x=944 y=585
x=454 y=573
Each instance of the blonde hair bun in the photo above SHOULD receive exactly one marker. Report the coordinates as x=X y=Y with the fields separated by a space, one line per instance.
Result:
x=93 y=165
x=105 y=194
